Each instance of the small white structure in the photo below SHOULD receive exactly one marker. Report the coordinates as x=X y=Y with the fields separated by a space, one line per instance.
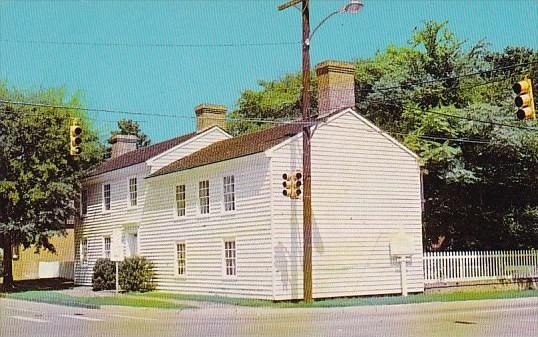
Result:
x=215 y=221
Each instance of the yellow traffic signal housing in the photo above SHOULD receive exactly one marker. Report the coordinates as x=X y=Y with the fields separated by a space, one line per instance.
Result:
x=297 y=183
x=287 y=185
x=292 y=185
x=75 y=132
x=524 y=100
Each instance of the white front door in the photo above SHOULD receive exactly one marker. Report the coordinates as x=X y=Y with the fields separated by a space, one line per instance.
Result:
x=131 y=244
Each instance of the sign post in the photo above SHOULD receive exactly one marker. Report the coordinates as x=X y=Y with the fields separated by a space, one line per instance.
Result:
x=116 y=253
x=401 y=247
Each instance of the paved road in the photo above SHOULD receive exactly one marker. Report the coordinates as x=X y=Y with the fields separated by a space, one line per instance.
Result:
x=515 y=317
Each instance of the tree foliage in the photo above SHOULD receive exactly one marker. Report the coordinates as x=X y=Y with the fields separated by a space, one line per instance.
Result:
x=130 y=127
x=38 y=177
x=480 y=182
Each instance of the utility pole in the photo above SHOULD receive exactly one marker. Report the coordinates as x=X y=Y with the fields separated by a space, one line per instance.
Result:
x=307 y=200
x=305 y=107
x=352 y=7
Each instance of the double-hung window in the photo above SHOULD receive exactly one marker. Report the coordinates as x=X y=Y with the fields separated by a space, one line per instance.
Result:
x=229 y=193
x=229 y=258
x=106 y=247
x=84 y=202
x=181 y=258
x=203 y=193
x=106 y=197
x=180 y=200
x=133 y=195
x=84 y=251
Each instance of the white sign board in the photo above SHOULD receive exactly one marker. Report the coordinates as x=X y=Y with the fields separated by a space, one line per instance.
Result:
x=401 y=244
x=116 y=246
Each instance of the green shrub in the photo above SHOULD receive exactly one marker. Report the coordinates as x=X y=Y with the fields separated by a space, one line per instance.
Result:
x=136 y=274
x=104 y=275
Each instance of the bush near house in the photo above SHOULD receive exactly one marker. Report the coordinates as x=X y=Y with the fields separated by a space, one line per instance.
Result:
x=136 y=274
x=104 y=275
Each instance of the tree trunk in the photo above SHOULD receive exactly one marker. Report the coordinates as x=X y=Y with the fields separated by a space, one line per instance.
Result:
x=7 y=283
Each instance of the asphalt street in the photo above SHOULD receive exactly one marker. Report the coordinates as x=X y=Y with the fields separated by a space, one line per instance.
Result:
x=511 y=317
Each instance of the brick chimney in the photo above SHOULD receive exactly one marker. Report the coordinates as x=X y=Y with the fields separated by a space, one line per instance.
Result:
x=122 y=144
x=208 y=115
x=336 y=86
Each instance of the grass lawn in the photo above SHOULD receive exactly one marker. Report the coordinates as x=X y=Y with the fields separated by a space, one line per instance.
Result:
x=456 y=295
x=166 y=300
x=54 y=297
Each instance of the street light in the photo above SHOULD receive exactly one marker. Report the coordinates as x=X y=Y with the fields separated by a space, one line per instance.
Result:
x=352 y=7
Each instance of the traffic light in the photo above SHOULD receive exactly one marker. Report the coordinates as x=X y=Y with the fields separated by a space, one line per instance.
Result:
x=75 y=132
x=524 y=100
x=292 y=184
x=298 y=182
x=287 y=185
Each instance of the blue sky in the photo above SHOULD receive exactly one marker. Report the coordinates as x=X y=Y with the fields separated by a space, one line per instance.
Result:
x=165 y=57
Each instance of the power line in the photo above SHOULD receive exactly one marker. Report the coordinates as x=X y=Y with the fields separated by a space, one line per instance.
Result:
x=272 y=121
x=135 y=113
x=454 y=116
x=416 y=83
x=163 y=45
x=425 y=137
x=300 y=122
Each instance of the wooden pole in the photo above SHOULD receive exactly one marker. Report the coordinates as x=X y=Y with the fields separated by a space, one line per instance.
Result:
x=307 y=204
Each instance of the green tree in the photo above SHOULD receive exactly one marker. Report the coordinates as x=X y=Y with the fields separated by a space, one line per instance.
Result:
x=130 y=127
x=38 y=177
x=479 y=193
x=277 y=100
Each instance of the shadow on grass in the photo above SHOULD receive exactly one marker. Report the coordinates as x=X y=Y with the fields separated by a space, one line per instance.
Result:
x=41 y=285
x=468 y=295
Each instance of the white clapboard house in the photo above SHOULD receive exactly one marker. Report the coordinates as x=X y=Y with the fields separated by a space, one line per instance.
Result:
x=210 y=212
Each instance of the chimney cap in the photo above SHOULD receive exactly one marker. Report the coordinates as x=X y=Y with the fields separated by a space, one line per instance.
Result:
x=211 y=108
x=335 y=67
x=123 y=139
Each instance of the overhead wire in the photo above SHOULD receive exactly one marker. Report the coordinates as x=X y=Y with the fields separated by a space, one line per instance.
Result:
x=279 y=122
x=166 y=45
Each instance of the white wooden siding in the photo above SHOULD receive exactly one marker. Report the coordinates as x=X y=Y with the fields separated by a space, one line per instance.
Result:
x=206 y=138
x=204 y=235
x=365 y=188
x=98 y=223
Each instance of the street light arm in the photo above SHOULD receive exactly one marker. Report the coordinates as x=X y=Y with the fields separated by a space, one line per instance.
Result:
x=321 y=23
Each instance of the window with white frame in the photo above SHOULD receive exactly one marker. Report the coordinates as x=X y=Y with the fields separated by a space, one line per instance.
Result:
x=84 y=202
x=229 y=193
x=181 y=258
x=106 y=247
x=203 y=193
x=133 y=195
x=84 y=251
x=106 y=197
x=229 y=258
x=180 y=200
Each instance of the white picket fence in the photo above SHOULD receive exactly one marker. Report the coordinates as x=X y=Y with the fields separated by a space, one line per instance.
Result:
x=479 y=265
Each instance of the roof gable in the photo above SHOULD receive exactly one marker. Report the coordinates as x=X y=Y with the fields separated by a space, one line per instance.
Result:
x=327 y=119
x=142 y=154
x=268 y=139
x=233 y=148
